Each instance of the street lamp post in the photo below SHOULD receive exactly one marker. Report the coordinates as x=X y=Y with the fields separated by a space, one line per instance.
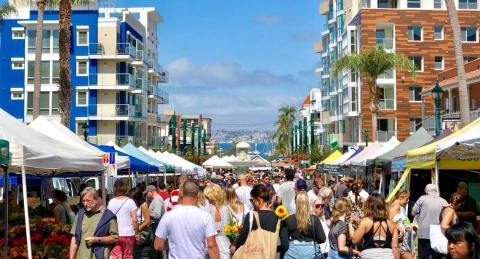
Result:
x=192 y=141
x=184 y=136
x=173 y=130
x=437 y=94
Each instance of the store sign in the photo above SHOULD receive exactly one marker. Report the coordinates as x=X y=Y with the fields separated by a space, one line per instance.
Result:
x=4 y=152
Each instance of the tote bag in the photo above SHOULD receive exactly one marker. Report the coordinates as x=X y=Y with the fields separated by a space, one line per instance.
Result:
x=260 y=243
x=438 y=241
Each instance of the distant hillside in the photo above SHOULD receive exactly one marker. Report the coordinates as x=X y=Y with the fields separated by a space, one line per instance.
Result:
x=251 y=136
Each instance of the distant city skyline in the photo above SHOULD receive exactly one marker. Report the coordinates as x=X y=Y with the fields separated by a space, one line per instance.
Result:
x=237 y=61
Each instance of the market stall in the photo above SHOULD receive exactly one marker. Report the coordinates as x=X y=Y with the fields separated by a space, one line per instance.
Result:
x=216 y=162
x=34 y=153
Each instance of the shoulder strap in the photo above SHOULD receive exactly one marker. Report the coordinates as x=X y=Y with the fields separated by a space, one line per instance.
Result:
x=255 y=214
x=78 y=226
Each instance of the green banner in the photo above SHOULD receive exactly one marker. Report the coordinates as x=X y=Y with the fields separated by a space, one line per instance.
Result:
x=4 y=152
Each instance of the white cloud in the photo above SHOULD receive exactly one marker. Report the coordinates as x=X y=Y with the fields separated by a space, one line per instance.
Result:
x=223 y=74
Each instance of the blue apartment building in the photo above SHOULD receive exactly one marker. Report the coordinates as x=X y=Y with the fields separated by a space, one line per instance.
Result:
x=117 y=83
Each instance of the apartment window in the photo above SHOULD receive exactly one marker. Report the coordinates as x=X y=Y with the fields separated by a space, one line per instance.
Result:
x=44 y=103
x=55 y=103
x=415 y=33
x=386 y=129
x=387 y=97
x=55 y=41
x=437 y=4
x=469 y=58
x=438 y=32
x=17 y=95
x=46 y=41
x=415 y=124
x=17 y=64
x=413 y=3
x=31 y=41
x=469 y=34
x=44 y=72
x=55 y=72
x=439 y=63
x=414 y=93
x=18 y=34
x=467 y=4
x=82 y=68
x=82 y=37
x=418 y=62
x=82 y=98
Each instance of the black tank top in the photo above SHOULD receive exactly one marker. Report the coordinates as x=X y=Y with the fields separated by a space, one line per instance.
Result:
x=373 y=239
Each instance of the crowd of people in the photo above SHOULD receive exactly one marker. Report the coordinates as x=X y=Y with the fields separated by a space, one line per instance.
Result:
x=291 y=217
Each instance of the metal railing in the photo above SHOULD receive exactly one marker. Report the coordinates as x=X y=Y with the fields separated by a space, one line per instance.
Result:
x=387 y=104
x=140 y=55
x=156 y=141
x=387 y=75
x=386 y=43
x=112 y=49
x=384 y=136
x=138 y=84
x=163 y=76
x=106 y=79
x=122 y=140
x=111 y=110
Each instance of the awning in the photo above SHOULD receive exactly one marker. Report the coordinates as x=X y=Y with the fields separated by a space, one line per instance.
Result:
x=361 y=158
x=216 y=162
x=332 y=157
x=418 y=139
x=427 y=156
x=136 y=165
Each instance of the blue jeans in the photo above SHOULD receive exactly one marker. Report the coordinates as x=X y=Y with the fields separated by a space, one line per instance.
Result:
x=305 y=250
x=332 y=254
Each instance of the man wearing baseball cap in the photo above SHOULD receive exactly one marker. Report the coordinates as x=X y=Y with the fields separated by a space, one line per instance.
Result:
x=300 y=186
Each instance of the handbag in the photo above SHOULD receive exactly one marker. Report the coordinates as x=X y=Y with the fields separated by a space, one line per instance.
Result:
x=438 y=241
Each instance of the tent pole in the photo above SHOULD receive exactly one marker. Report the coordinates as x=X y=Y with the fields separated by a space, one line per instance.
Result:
x=102 y=187
x=25 y=208
x=437 y=175
x=5 y=211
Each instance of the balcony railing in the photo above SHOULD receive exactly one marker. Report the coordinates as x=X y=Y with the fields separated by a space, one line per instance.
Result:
x=140 y=55
x=156 y=141
x=387 y=75
x=387 y=104
x=122 y=140
x=386 y=43
x=113 y=79
x=112 y=49
x=384 y=136
x=115 y=110
x=139 y=84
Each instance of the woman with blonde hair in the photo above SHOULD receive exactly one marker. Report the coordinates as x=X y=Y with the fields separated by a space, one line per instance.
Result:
x=237 y=209
x=338 y=235
x=397 y=213
x=305 y=231
x=221 y=215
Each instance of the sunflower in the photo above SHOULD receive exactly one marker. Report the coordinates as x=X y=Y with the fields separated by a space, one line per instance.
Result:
x=281 y=212
x=227 y=229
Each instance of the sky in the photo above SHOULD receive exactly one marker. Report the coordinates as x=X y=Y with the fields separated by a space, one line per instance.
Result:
x=237 y=61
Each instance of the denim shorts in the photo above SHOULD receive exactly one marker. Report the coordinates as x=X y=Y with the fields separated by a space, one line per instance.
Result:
x=307 y=250
x=333 y=254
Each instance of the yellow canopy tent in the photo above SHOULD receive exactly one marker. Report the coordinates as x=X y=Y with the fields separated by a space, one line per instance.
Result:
x=332 y=157
x=430 y=156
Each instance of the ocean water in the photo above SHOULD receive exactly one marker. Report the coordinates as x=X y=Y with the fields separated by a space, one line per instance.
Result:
x=265 y=149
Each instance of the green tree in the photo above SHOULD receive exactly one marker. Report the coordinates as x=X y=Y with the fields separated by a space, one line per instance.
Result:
x=315 y=153
x=370 y=64
x=457 y=46
x=285 y=122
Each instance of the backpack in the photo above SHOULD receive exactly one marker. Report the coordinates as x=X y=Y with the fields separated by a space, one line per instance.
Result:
x=260 y=243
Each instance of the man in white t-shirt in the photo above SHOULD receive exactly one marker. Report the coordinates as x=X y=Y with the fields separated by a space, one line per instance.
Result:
x=286 y=192
x=243 y=192
x=187 y=228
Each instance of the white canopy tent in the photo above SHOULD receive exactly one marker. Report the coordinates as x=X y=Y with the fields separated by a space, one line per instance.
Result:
x=56 y=130
x=190 y=167
x=216 y=162
x=34 y=152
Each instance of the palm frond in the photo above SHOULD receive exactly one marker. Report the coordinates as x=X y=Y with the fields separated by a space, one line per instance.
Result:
x=6 y=9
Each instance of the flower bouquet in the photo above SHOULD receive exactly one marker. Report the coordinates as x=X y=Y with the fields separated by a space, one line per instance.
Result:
x=281 y=212
x=232 y=231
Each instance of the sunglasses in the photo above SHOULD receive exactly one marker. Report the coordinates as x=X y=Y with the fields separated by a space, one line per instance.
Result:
x=318 y=206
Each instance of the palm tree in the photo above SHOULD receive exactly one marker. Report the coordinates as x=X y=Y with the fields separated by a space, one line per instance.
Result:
x=65 y=18
x=285 y=122
x=37 y=80
x=371 y=64
x=457 y=45
x=5 y=10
